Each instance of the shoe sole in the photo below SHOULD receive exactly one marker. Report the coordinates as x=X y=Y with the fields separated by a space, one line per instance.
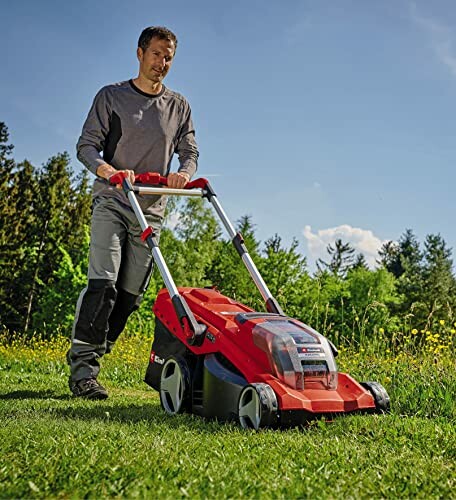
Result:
x=96 y=396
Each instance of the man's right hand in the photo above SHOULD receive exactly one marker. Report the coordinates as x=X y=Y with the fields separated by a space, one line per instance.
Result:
x=105 y=171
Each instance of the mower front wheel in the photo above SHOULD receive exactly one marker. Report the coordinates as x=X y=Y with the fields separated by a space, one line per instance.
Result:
x=381 y=398
x=175 y=386
x=257 y=406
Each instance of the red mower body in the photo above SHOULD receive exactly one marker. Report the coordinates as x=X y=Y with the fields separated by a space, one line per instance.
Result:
x=244 y=348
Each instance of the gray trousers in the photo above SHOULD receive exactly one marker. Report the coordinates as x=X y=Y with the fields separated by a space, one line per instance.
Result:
x=120 y=265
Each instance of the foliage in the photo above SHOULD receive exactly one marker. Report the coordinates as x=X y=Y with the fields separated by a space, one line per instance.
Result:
x=58 y=301
x=424 y=279
x=45 y=215
x=228 y=274
x=285 y=272
x=191 y=246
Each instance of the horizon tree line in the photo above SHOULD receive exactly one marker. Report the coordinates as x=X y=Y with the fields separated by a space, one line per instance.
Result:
x=44 y=240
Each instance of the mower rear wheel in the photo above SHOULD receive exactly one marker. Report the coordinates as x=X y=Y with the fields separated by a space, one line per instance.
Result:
x=257 y=406
x=175 y=385
x=381 y=398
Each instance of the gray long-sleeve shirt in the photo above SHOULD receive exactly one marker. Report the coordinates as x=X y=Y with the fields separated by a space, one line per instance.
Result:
x=140 y=132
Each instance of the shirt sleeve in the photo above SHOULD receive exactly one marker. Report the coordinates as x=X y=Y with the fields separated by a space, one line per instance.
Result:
x=187 y=149
x=94 y=132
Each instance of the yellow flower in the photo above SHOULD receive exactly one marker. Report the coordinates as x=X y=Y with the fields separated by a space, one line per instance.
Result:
x=414 y=331
x=442 y=322
x=453 y=331
x=381 y=330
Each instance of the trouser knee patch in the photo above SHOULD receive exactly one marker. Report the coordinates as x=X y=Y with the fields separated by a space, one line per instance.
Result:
x=126 y=304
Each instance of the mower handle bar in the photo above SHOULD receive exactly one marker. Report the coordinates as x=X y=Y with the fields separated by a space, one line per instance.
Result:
x=199 y=187
x=155 y=179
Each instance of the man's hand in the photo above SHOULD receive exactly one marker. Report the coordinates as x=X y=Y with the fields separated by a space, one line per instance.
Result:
x=178 y=180
x=105 y=171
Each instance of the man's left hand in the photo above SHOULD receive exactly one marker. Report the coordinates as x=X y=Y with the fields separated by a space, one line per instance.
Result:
x=178 y=180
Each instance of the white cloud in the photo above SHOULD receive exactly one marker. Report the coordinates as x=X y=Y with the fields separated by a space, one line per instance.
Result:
x=441 y=37
x=362 y=240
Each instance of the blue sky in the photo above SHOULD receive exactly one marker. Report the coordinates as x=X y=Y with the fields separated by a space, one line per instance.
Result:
x=320 y=119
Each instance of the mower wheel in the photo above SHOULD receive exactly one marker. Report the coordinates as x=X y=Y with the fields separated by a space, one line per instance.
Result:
x=381 y=398
x=175 y=386
x=257 y=406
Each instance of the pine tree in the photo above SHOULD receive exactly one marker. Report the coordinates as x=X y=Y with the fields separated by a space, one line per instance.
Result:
x=7 y=166
x=342 y=255
x=16 y=232
x=360 y=262
x=405 y=255
x=283 y=270
x=439 y=290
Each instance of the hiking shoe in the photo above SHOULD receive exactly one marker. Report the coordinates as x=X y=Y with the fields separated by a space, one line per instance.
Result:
x=88 y=388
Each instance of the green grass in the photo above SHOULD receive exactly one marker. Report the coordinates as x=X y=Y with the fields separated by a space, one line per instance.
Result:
x=52 y=445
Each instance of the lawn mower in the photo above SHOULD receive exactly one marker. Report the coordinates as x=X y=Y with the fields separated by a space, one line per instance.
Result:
x=215 y=357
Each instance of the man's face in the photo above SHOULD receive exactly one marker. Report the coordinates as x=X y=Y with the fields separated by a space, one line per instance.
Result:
x=156 y=60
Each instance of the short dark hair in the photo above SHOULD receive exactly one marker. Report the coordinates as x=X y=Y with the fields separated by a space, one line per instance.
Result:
x=156 y=32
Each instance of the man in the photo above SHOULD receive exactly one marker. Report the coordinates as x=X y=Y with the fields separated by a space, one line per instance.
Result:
x=138 y=125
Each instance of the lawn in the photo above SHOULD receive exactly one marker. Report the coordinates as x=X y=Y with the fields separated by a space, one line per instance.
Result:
x=52 y=445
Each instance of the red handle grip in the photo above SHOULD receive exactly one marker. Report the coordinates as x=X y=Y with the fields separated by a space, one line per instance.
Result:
x=117 y=178
x=152 y=178
x=156 y=180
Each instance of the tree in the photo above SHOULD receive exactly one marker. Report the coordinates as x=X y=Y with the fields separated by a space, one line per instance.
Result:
x=403 y=256
x=404 y=260
x=439 y=290
x=360 y=262
x=227 y=271
x=389 y=258
x=371 y=295
x=44 y=217
x=324 y=303
x=190 y=247
x=7 y=166
x=342 y=255
x=52 y=226
x=283 y=270
x=58 y=299
x=16 y=236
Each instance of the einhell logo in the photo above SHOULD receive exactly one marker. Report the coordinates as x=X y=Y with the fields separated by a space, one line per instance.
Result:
x=310 y=349
x=156 y=359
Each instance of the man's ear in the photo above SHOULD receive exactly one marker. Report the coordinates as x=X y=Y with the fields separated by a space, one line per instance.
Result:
x=139 y=53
